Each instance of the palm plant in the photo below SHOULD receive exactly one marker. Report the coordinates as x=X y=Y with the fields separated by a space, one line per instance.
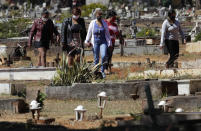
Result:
x=80 y=72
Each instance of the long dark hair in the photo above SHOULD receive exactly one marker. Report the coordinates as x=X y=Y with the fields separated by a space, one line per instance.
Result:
x=110 y=13
x=170 y=13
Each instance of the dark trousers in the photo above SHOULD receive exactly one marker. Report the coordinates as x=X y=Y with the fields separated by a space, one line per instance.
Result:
x=109 y=57
x=173 y=49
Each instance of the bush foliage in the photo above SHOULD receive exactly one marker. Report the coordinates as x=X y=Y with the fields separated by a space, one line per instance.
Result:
x=13 y=28
x=87 y=9
x=146 y=32
x=79 y=73
x=198 y=37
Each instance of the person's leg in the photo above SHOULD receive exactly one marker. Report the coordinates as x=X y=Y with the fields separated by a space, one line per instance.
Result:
x=175 y=51
x=103 y=51
x=172 y=48
x=79 y=53
x=70 y=60
x=96 y=51
x=110 y=59
x=43 y=56
x=78 y=58
x=39 y=56
x=169 y=48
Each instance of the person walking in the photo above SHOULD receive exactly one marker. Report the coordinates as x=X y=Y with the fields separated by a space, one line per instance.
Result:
x=98 y=35
x=114 y=33
x=73 y=34
x=42 y=30
x=170 y=37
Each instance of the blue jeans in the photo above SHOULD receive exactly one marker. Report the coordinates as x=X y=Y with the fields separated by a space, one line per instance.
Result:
x=100 y=49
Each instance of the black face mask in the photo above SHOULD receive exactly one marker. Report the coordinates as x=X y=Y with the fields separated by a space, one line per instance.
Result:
x=99 y=17
x=172 y=18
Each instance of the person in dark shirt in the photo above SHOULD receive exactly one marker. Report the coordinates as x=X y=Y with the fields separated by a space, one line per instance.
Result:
x=42 y=31
x=73 y=34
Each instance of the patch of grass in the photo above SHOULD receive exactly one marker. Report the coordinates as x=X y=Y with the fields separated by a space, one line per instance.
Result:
x=114 y=107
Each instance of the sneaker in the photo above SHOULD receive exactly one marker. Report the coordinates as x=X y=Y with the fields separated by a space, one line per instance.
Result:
x=103 y=74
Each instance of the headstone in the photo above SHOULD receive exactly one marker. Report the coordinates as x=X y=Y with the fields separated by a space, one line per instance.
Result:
x=5 y=88
x=183 y=87
x=44 y=5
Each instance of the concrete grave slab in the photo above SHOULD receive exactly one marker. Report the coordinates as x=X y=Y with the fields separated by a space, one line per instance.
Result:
x=188 y=87
x=5 y=88
x=194 y=47
x=114 y=90
x=191 y=64
x=13 y=105
x=27 y=73
x=185 y=102
x=183 y=87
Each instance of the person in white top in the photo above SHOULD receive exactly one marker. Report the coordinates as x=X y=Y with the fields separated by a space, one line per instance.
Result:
x=99 y=37
x=170 y=37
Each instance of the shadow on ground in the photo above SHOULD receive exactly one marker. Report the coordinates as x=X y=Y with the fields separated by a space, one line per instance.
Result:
x=12 y=126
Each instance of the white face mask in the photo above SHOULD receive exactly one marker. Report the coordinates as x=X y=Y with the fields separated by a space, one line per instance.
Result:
x=44 y=19
x=75 y=17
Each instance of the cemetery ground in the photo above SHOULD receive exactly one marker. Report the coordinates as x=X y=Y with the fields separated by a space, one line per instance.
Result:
x=63 y=110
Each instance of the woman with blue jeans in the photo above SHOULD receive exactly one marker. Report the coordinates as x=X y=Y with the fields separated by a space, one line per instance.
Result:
x=98 y=35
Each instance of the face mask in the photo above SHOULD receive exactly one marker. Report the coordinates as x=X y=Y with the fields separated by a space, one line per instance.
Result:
x=75 y=17
x=44 y=19
x=99 y=17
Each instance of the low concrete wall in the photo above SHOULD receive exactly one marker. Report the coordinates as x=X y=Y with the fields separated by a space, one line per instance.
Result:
x=167 y=73
x=185 y=102
x=113 y=90
x=136 y=50
x=191 y=64
x=27 y=73
x=12 y=89
x=13 y=105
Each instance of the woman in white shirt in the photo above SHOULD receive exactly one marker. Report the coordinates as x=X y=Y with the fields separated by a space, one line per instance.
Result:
x=170 y=37
x=98 y=35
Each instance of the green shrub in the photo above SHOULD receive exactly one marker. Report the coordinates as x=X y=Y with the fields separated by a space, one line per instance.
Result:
x=63 y=16
x=87 y=9
x=146 y=32
x=78 y=73
x=40 y=98
x=198 y=37
x=13 y=28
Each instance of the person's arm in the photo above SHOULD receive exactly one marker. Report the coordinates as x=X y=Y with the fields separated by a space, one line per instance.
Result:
x=83 y=31
x=56 y=33
x=163 y=32
x=117 y=32
x=64 y=32
x=89 y=33
x=32 y=33
x=107 y=34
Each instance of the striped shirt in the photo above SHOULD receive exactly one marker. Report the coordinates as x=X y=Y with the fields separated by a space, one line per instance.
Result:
x=170 y=31
x=114 y=32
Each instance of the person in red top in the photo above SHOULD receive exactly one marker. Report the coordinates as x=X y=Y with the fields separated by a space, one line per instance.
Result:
x=42 y=31
x=114 y=33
